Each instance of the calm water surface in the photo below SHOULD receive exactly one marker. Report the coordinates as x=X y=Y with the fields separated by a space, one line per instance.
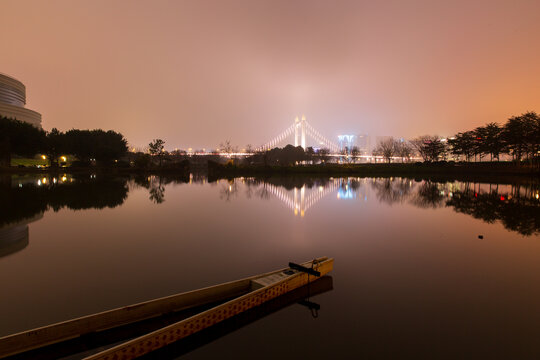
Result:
x=411 y=276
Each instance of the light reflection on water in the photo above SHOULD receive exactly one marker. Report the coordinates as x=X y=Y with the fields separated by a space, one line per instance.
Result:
x=409 y=264
x=515 y=205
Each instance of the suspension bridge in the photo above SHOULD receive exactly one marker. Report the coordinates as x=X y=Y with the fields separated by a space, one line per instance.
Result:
x=301 y=130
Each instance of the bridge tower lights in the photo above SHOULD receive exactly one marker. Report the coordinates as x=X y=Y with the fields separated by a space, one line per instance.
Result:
x=303 y=127
x=300 y=132
x=296 y=126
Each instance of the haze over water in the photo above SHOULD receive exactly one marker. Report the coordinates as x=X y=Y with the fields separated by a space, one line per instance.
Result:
x=411 y=275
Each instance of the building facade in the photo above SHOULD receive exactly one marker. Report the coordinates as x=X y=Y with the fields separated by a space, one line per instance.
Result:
x=363 y=142
x=13 y=101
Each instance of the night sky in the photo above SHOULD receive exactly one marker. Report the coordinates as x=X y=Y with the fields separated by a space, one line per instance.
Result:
x=196 y=73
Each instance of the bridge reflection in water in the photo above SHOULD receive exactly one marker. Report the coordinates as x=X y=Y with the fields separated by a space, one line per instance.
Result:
x=301 y=199
x=299 y=202
x=515 y=205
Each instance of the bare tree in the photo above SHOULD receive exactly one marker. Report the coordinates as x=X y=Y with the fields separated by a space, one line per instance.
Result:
x=226 y=146
x=393 y=190
x=429 y=147
x=323 y=154
x=346 y=152
x=386 y=148
x=404 y=149
x=229 y=190
x=355 y=152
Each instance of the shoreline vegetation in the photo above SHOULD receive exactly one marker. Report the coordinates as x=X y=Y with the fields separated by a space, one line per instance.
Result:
x=440 y=171
x=26 y=149
x=433 y=171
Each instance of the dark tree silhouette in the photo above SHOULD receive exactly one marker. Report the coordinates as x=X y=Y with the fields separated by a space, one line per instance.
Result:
x=95 y=144
x=56 y=145
x=519 y=138
x=431 y=148
x=156 y=148
x=17 y=137
x=323 y=154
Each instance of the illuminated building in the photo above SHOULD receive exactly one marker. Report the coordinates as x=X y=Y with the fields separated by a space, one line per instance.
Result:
x=15 y=236
x=364 y=144
x=346 y=142
x=13 y=100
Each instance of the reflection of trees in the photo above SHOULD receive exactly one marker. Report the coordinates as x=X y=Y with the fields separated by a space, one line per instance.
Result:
x=156 y=189
x=229 y=190
x=252 y=186
x=19 y=203
x=291 y=182
x=428 y=196
x=354 y=184
x=392 y=190
x=517 y=209
x=256 y=187
x=264 y=193
x=156 y=184
x=88 y=194
x=157 y=193
x=516 y=212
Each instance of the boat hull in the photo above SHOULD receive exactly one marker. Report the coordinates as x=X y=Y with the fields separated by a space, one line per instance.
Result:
x=172 y=333
x=233 y=298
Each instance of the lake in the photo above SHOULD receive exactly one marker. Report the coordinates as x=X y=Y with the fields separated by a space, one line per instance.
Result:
x=422 y=269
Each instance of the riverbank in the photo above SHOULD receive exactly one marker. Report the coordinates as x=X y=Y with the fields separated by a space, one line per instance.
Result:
x=178 y=168
x=400 y=169
x=444 y=171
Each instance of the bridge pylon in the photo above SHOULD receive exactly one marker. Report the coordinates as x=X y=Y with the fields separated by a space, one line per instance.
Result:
x=300 y=132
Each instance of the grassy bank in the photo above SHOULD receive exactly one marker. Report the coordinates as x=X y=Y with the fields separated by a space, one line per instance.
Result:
x=456 y=171
x=177 y=169
x=443 y=171
x=27 y=162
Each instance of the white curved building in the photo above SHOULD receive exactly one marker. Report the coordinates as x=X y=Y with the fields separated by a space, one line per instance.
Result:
x=13 y=100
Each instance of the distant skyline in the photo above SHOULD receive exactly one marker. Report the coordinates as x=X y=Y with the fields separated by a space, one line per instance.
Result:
x=197 y=73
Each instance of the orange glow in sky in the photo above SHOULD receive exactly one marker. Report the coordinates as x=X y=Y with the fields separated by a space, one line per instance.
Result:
x=196 y=73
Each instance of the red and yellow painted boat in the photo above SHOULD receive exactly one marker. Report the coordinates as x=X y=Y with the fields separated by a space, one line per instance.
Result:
x=233 y=298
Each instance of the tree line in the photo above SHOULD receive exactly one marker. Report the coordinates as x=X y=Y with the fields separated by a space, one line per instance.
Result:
x=288 y=155
x=20 y=138
x=518 y=138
